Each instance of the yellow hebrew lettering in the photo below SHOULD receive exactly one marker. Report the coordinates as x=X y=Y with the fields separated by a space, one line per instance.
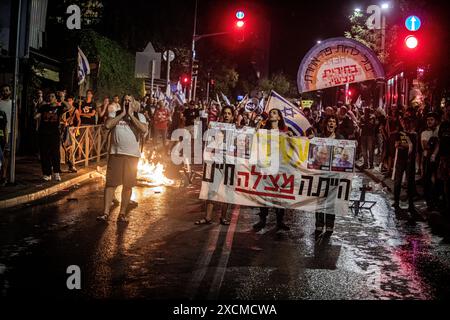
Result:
x=291 y=145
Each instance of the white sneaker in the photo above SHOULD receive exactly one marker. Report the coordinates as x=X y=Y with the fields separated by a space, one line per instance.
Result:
x=47 y=178
x=56 y=177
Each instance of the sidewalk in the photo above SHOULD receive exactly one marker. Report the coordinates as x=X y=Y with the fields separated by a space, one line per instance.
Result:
x=30 y=186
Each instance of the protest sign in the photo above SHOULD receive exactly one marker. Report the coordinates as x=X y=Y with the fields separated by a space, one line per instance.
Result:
x=285 y=172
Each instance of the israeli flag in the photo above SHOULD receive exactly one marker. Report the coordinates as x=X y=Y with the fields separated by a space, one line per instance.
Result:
x=180 y=98
x=83 y=67
x=292 y=115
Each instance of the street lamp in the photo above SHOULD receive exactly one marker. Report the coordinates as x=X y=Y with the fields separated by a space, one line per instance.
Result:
x=357 y=10
x=384 y=6
x=319 y=41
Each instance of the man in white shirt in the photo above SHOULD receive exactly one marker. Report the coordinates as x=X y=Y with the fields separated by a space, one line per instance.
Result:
x=127 y=127
x=6 y=107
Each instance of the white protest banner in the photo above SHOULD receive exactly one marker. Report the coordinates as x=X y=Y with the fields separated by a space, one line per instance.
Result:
x=311 y=175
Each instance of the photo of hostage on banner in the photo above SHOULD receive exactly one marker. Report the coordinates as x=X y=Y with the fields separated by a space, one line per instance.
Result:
x=226 y=144
x=343 y=159
x=283 y=172
x=319 y=157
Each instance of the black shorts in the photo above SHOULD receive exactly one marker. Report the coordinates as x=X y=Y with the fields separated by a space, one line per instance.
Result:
x=121 y=170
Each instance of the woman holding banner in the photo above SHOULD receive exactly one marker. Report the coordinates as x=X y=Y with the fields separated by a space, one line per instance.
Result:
x=226 y=116
x=275 y=121
x=330 y=128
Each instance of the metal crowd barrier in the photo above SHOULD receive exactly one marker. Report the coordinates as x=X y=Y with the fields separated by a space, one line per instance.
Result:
x=90 y=143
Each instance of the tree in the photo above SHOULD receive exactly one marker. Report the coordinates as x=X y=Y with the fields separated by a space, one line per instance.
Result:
x=372 y=38
x=226 y=80
x=116 y=65
x=91 y=11
x=278 y=82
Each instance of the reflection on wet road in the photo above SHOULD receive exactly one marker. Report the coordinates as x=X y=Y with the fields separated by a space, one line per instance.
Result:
x=161 y=253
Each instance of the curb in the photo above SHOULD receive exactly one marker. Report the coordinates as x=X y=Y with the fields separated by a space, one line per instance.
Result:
x=374 y=177
x=9 y=203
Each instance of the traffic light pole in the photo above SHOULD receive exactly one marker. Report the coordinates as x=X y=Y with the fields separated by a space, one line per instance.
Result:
x=195 y=37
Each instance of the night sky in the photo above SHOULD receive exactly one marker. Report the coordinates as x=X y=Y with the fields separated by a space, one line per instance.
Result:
x=295 y=26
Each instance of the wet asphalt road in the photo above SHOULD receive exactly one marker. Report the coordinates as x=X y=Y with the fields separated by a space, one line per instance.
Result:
x=161 y=254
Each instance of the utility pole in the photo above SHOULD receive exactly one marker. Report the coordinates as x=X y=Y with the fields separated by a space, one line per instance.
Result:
x=152 y=75
x=12 y=158
x=207 y=88
x=383 y=37
x=191 y=93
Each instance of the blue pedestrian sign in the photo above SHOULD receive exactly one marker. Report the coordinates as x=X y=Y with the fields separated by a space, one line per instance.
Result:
x=240 y=15
x=412 y=23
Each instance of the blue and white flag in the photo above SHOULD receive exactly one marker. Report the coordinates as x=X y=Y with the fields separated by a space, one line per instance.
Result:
x=261 y=105
x=180 y=98
x=167 y=98
x=159 y=95
x=253 y=105
x=227 y=101
x=83 y=67
x=292 y=115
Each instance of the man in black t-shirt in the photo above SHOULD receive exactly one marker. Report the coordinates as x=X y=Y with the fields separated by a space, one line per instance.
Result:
x=49 y=136
x=406 y=145
x=368 y=135
x=88 y=110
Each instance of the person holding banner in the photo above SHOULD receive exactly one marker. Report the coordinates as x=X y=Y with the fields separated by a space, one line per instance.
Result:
x=275 y=121
x=226 y=116
x=330 y=128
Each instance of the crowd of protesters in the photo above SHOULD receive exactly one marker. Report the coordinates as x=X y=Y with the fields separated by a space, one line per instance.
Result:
x=401 y=142
x=406 y=144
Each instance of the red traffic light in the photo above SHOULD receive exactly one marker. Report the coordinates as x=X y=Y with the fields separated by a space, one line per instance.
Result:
x=240 y=23
x=349 y=93
x=185 y=80
x=411 y=42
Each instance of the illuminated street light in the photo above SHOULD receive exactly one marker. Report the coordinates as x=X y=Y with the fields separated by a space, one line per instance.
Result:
x=319 y=41
x=357 y=10
x=385 y=6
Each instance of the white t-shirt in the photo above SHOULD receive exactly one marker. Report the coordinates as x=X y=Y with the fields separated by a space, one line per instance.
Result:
x=123 y=140
x=427 y=134
x=6 y=107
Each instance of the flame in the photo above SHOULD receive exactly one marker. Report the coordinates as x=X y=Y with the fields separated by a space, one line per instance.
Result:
x=151 y=172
